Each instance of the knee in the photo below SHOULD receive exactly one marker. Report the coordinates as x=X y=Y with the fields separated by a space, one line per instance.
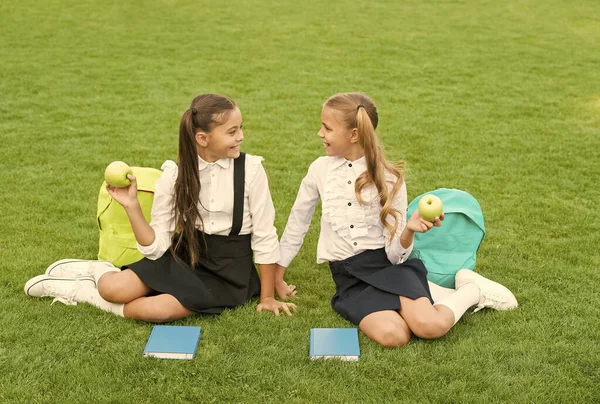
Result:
x=429 y=328
x=109 y=289
x=391 y=335
x=162 y=315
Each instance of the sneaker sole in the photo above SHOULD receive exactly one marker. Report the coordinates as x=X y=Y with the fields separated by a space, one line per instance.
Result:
x=40 y=278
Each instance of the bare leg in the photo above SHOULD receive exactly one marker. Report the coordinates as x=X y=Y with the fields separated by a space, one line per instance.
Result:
x=433 y=321
x=122 y=287
x=424 y=319
x=157 y=309
x=115 y=288
x=126 y=287
x=386 y=328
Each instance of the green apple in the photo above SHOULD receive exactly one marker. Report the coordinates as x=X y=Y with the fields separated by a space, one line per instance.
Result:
x=430 y=207
x=116 y=174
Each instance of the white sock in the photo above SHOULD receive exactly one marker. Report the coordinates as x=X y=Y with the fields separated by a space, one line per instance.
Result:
x=91 y=296
x=101 y=269
x=438 y=292
x=459 y=302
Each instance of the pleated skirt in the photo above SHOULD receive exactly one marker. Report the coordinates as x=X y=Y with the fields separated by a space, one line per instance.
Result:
x=367 y=283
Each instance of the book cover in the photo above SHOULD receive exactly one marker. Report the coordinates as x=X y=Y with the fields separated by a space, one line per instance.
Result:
x=339 y=343
x=173 y=342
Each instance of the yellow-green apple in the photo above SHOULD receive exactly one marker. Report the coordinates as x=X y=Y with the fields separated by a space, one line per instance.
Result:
x=430 y=207
x=116 y=174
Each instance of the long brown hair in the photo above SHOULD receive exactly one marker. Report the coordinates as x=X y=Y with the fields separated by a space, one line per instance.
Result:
x=205 y=113
x=358 y=111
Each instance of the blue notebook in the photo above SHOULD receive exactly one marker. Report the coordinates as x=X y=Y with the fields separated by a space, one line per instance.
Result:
x=173 y=342
x=339 y=343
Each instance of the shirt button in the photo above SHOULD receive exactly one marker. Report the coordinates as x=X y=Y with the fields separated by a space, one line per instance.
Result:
x=212 y=223
x=213 y=174
x=355 y=243
x=350 y=165
x=349 y=203
x=212 y=200
x=349 y=182
x=351 y=226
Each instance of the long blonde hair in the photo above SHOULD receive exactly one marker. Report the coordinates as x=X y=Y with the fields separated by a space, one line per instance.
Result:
x=358 y=111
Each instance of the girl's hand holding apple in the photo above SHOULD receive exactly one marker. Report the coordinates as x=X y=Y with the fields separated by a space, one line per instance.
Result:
x=126 y=196
x=417 y=224
x=121 y=184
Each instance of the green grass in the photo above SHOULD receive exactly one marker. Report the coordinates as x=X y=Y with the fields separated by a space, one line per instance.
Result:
x=500 y=99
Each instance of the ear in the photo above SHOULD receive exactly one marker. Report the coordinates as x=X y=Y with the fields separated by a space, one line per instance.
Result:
x=201 y=139
x=354 y=135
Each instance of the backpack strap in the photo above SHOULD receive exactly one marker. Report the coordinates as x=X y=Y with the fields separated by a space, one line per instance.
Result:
x=239 y=175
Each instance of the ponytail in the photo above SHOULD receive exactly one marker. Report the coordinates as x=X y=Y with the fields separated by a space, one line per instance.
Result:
x=187 y=189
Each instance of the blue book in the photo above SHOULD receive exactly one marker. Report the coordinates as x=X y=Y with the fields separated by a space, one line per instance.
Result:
x=339 y=343
x=173 y=342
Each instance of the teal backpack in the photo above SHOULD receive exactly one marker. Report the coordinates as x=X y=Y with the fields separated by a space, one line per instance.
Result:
x=453 y=246
x=117 y=242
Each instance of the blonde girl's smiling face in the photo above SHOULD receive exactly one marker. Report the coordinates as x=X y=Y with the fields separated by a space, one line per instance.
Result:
x=336 y=137
x=224 y=140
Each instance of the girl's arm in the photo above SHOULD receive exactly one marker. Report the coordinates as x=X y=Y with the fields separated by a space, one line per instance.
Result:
x=298 y=221
x=127 y=197
x=295 y=230
x=399 y=248
x=264 y=240
x=155 y=238
x=264 y=234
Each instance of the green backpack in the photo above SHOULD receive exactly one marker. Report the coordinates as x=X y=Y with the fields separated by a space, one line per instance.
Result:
x=453 y=246
x=117 y=241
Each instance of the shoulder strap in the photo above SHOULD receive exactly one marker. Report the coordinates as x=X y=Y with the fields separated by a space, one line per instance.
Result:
x=239 y=174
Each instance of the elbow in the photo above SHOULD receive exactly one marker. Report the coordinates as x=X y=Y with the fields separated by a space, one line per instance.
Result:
x=153 y=251
x=395 y=259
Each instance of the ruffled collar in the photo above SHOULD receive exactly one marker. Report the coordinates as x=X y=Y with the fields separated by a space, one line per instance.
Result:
x=358 y=165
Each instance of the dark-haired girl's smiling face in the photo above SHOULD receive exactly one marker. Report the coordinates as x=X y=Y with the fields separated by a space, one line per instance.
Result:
x=224 y=140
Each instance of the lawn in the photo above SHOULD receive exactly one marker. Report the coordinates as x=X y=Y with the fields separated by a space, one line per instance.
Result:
x=497 y=98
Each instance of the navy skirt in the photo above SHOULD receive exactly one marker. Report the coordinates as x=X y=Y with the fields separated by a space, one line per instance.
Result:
x=224 y=277
x=368 y=282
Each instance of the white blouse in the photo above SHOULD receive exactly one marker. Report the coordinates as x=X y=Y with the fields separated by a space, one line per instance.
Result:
x=216 y=207
x=347 y=227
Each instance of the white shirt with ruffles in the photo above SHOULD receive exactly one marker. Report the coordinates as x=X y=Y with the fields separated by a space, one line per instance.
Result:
x=347 y=227
x=216 y=207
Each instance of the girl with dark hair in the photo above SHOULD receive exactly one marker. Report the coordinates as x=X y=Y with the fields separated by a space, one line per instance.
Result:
x=367 y=239
x=212 y=219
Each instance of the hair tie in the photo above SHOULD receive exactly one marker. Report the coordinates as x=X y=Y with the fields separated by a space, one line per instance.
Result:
x=193 y=110
x=359 y=105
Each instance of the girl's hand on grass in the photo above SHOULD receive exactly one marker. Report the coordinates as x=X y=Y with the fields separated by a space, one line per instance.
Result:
x=269 y=303
x=419 y=225
x=126 y=196
x=284 y=290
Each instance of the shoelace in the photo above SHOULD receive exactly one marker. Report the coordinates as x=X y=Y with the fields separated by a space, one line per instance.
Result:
x=63 y=296
x=489 y=299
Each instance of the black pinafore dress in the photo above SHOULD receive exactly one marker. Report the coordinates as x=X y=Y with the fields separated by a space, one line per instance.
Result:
x=225 y=275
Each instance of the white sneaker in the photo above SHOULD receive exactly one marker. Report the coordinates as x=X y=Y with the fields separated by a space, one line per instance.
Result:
x=74 y=268
x=62 y=289
x=491 y=294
